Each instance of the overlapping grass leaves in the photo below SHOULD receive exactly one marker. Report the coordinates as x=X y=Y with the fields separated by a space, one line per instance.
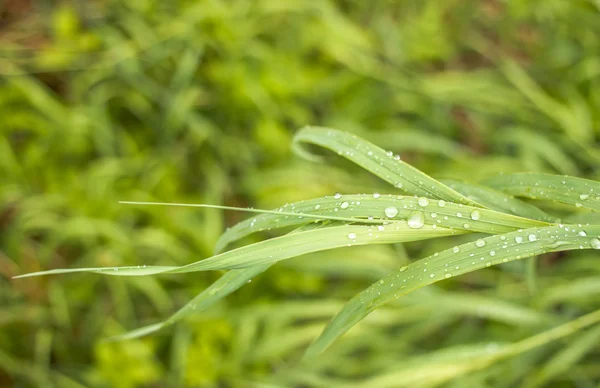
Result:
x=518 y=230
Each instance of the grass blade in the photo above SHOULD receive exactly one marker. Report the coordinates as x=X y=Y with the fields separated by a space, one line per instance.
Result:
x=225 y=285
x=573 y=191
x=373 y=208
x=452 y=262
x=377 y=161
x=284 y=247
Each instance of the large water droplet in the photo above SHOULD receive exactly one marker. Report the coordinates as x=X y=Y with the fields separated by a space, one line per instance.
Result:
x=423 y=201
x=480 y=243
x=595 y=243
x=344 y=205
x=337 y=195
x=416 y=220
x=391 y=211
x=583 y=197
x=475 y=215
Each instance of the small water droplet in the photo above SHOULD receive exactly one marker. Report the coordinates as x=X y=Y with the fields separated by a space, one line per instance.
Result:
x=441 y=203
x=475 y=215
x=595 y=243
x=416 y=220
x=432 y=275
x=518 y=239
x=532 y=237
x=480 y=243
x=582 y=233
x=433 y=215
x=448 y=275
x=402 y=269
x=376 y=195
x=317 y=207
x=583 y=197
x=380 y=228
x=344 y=205
x=423 y=201
x=456 y=249
x=391 y=211
x=351 y=236
x=337 y=195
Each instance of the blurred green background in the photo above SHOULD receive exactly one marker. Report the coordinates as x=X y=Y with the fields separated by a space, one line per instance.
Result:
x=197 y=100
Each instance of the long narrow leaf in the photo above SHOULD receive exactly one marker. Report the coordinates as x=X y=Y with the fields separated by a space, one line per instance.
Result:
x=452 y=262
x=377 y=161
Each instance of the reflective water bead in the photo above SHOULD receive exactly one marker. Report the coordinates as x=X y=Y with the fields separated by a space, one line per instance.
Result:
x=391 y=211
x=351 y=236
x=532 y=237
x=376 y=195
x=475 y=215
x=416 y=220
x=337 y=195
x=344 y=205
x=423 y=201
x=480 y=243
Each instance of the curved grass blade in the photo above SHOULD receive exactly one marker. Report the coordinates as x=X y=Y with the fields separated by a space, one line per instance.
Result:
x=283 y=247
x=377 y=161
x=499 y=201
x=225 y=285
x=452 y=262
x=381 y=209
x=573 y=191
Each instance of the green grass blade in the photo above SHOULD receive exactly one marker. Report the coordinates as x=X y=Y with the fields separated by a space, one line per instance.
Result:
x=225 y=285
x=284 y=247
x=377 y=161
x=373 y=208
x=452 y=262
x=497 y=200
x=573 y=191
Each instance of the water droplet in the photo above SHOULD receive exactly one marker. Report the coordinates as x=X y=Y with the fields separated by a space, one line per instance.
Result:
x=518 y=239
x=583 y=197
x=456 y=249
x=466 y=226
x=448 y=275
x=380 y=228
x=344 y=205
x=376 y=195
x=423 y=201
x=492 y=253
x=391 y=211
x=381 y=281
x=351 y=236
x=432 y=275
x=441 y=203
x=582 y=233
x=416 y=220
x=595 y=243
x=475 y=215
x=480 y=243
x=532 y=237
x=433 y=215
x=402 y=269
x=317 y=207
x=502 y=237
x=337 y=195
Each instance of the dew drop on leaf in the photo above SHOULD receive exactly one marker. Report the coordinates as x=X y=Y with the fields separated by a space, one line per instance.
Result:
x=351 y=236
x=480 y=243
x=337 y=195
x=344 y=205
x=423 y=201
x=391 y=211
x=416 y=220
x=376 y=195
x=475 y=215
x=595 y=243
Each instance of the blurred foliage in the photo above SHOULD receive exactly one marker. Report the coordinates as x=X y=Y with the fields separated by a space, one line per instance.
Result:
x=197 y=100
